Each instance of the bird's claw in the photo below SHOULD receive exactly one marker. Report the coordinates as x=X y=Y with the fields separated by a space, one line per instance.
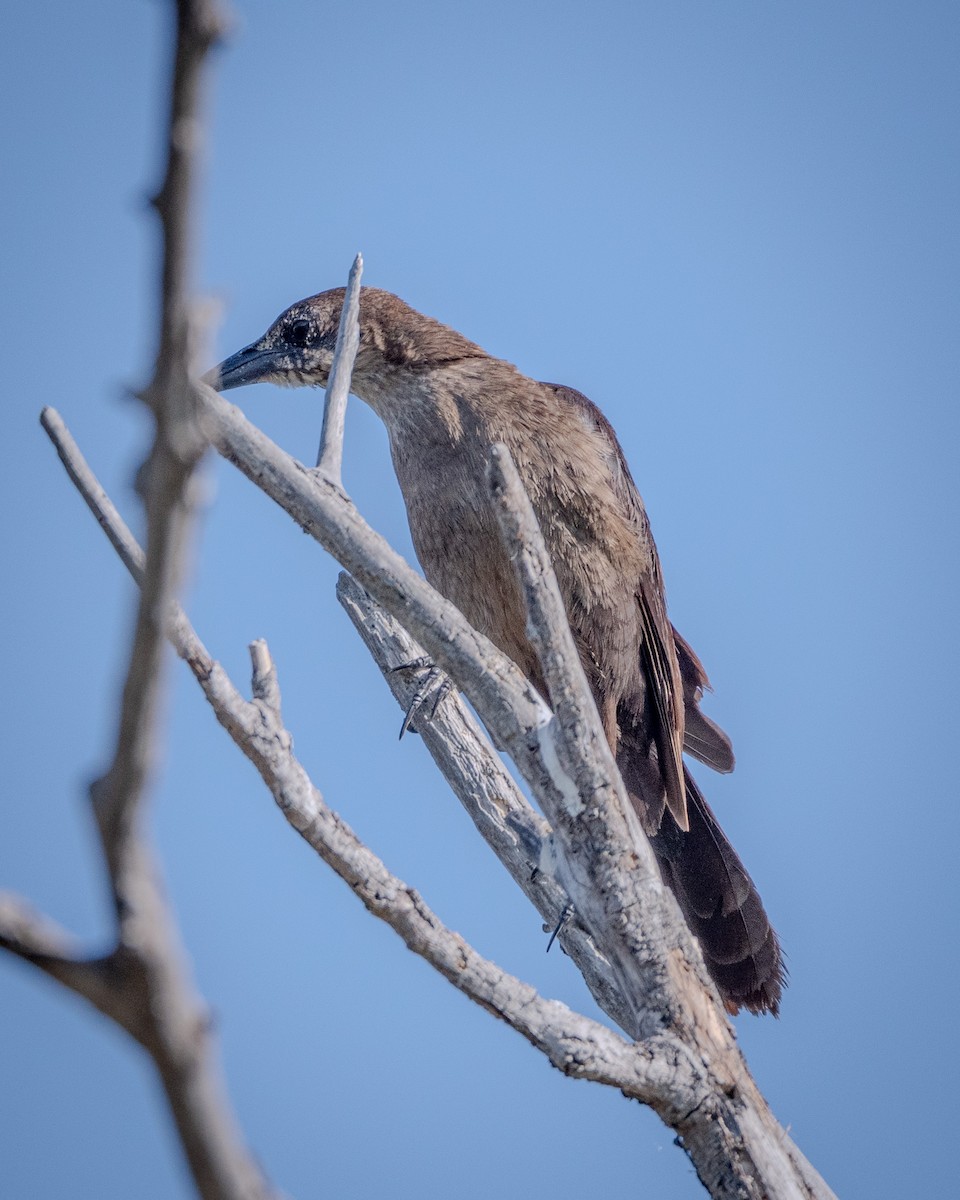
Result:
x=434 y=687
x=561 y=924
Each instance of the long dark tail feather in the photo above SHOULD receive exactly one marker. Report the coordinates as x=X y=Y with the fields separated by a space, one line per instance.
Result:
x=706 y=741
x=722 y=907
x=716 y=895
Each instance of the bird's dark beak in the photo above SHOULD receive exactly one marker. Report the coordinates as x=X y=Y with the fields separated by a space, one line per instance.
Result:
x=246 y=366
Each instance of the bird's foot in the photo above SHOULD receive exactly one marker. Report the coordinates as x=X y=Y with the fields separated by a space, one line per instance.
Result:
x=563 y=922
x=430 y=693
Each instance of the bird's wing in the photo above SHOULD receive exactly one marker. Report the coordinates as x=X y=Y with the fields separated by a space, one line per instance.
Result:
x=662 y=670
x=658 y=652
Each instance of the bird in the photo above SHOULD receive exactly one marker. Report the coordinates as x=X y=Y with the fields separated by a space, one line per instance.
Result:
x=445 y=402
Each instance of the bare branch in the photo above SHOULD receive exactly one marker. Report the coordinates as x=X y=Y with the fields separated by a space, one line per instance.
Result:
x=178 y=442
x=703 y=1090
x=217 y=686
x=491 y=796
x=266 y=687
x=516 y=716
x=597 y=814
x=508 y=700
x=622 y=919
x=573 y=1043
x=633 y=947
x=143 y=984
x=515 y=832
x=582 y=742
x=330 y=454
x=500 y=811
x=42 y=943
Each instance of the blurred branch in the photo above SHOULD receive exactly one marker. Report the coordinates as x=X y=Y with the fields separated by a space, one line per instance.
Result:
x=143 y=984
x=38 y=940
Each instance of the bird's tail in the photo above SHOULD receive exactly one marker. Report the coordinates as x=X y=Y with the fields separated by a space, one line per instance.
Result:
x=716 y=895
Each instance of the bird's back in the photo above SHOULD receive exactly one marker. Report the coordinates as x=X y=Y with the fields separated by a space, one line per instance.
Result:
x=597 y=544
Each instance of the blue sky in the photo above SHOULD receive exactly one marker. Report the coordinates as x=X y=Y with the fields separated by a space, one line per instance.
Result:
x=733 y=225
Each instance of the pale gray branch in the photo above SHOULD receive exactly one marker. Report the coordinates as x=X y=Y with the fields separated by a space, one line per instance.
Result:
x=634 y=950
x=619 y=919
x=516 y=716
x=512 y=828
x=330 y=454
x=704 y=1091
x=503 y=696
x=603 y=843
x=573 y=1043
x=763 y=1162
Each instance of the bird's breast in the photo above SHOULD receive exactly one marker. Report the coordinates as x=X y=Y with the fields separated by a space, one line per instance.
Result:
x=457 y=539
x=458 y=542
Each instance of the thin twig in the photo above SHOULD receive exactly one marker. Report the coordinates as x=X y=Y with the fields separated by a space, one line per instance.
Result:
x=330 y=454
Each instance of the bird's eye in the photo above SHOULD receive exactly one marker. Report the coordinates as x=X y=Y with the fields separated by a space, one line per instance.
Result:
x=298 y=333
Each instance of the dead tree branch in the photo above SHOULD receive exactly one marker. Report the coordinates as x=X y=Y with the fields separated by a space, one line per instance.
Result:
x=727 y=1128
x=505 y=819
x=705 y=1091
x=516 y=716
x=143 y=983
x=573 y=1043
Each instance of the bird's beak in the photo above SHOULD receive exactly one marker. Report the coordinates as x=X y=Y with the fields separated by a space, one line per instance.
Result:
x=246 y=366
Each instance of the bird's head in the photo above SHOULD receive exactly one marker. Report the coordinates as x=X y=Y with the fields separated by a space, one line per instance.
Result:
x=297 y=349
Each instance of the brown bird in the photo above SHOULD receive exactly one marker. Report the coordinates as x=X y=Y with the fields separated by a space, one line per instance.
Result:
x=445 y=401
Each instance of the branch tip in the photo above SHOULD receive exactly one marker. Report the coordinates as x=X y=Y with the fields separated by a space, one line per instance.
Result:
x=264 y=681
x=330 y=454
